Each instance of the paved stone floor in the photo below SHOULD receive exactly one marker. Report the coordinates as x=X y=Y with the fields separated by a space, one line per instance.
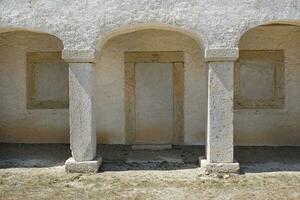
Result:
x=122 y=157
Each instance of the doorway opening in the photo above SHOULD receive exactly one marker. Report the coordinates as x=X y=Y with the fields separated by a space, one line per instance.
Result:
x=154 y=93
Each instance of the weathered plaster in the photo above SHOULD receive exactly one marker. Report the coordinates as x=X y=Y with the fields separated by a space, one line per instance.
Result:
x=81 y=24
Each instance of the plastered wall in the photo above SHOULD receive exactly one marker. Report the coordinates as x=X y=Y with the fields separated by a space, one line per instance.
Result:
x=109 y=89
x=17 y=123
x=273 y=126
x=81 y=24
x=251 y=126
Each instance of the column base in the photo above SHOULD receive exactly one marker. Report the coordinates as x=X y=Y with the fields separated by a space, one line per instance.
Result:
x=92 y=166
x=224 y=168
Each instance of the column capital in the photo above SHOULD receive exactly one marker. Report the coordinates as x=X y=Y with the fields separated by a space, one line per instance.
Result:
x=219 y=55
x=80 y=56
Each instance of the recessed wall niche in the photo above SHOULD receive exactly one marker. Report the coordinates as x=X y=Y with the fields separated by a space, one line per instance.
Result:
x=259 y=79
x=47 y=81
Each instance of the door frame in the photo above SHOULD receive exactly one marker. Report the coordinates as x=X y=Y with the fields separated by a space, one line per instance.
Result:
x=174 y=57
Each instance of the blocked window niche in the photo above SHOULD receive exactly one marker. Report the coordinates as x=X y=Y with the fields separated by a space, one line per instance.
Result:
x=47 y=81
x=259 y=79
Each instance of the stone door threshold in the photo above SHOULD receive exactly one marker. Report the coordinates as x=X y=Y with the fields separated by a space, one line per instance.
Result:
x=151 y=146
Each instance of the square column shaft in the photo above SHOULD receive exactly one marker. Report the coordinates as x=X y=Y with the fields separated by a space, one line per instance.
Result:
x=82 y=127
x=220 y=112
x=219 y=144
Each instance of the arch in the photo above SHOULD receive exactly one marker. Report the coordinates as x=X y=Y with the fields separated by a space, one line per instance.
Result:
x=292 y=22
x=6 y=29
x=141 y=40
x=101 y=41
x=20 y=51
x=4 y=36
x=268 y=51
x=13 y=29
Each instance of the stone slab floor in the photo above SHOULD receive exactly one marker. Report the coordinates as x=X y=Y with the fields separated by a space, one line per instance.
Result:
x=37 y=172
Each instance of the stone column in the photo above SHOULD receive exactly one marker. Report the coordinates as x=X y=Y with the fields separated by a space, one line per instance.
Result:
x=219 y=141
x=83 y=138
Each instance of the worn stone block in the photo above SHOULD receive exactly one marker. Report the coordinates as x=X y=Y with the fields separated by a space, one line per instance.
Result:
x=208 y=167
x=82 y=56
x=91 y=166
x=221 y=54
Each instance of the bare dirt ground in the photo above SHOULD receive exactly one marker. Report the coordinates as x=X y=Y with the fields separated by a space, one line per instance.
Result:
x=37 y=173
x=54 y=183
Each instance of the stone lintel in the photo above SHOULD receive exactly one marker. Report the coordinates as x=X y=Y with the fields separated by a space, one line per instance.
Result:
x=72 y=166
x=80 y=56
x=154 y=57
x=219 y=55
x=222 y=168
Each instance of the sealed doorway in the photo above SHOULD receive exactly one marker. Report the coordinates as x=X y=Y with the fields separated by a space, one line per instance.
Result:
x=154 y=103
x=154 y=94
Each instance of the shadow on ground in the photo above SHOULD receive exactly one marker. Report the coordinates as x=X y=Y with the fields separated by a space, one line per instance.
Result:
x=122 y=157
x=33 y=155
x=268 y=159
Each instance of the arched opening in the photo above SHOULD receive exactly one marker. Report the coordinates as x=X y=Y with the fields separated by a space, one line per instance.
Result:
x=136 y=65
x=34 y=88
x=152 y=26
x=267 y=90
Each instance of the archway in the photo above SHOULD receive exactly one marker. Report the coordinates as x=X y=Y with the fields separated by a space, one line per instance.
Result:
x=266 y=86
x=34 y=88
x=124 y=65
x=150 y=44
x=101 y=41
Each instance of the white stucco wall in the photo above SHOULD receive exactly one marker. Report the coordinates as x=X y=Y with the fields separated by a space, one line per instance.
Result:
x=273 y=126
x=17 y=123
x=81 y=24
x=109 y=90
x=84 y=26
x=252 y=127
